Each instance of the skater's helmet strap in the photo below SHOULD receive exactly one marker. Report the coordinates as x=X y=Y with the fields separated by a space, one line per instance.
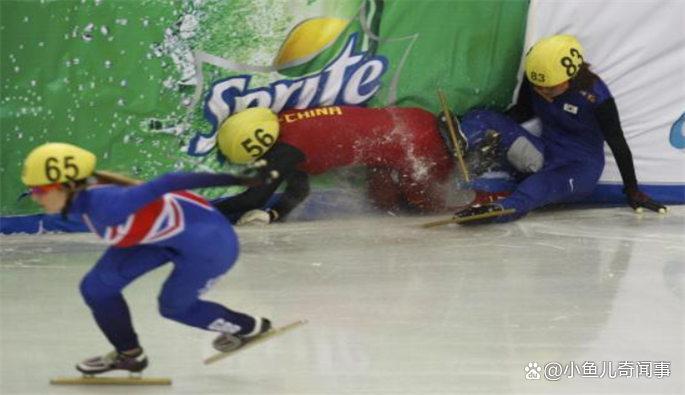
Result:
x=249 y=134
x=554 y=60
x=57 y=163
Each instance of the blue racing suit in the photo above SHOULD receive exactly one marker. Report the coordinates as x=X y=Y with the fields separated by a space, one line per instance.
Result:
x=567 y=160
x=149 y=225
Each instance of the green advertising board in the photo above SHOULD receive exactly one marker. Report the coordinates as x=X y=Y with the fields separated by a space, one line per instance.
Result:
x=144 y=84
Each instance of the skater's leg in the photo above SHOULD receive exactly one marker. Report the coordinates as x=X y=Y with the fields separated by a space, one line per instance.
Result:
x=426 y=196
x=424 y=176
x=383 y=190
x=195 y=272
x=524 y=151
x=101 y=289
x=568 y=181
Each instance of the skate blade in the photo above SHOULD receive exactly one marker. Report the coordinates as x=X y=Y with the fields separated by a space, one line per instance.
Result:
x=468 y=219
x=93 y=380
x=267 y=336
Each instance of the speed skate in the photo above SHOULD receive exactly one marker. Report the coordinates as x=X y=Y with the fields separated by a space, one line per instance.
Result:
x=97 y=380
x=253 y=342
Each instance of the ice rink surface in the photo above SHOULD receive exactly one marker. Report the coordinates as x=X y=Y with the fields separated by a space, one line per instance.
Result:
x=393 y=308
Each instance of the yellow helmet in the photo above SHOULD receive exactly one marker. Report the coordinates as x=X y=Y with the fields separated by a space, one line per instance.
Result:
x=56 y=163
x=554 y=60
x=248 y=135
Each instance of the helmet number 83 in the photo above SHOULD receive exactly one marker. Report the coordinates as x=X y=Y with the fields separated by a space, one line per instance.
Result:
x=569 y=64
x=53 y=169
x=256 y=149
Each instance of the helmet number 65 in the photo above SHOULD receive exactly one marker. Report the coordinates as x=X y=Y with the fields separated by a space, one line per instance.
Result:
x=53 y=170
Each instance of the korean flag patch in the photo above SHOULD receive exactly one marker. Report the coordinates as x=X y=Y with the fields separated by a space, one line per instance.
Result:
x=571 y=108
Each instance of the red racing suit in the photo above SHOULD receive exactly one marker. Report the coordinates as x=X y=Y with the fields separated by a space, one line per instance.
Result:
x=407 y=159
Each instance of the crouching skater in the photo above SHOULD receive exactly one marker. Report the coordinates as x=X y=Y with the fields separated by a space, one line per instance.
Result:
x=147 y=224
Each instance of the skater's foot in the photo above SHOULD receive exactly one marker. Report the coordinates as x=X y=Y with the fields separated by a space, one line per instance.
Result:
x=132 y=361
x=228 y=342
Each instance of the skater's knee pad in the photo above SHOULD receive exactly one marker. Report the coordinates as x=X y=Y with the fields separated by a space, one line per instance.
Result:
x=525 y=156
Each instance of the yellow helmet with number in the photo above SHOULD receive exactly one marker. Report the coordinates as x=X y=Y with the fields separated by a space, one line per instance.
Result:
x=554 y=60
x=249 y=134
x=56 y=163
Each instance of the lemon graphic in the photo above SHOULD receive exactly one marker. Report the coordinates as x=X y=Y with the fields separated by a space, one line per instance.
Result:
x=310 y=45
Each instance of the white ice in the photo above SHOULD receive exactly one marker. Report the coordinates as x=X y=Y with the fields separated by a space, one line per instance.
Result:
x=393 y=308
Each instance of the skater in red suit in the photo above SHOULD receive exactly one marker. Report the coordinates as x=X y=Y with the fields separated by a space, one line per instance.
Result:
x=408 y=163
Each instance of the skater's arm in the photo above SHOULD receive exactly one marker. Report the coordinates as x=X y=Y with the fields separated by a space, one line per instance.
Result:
x=111 y=205
x=296 y=191
x=610 y=124
x=522 y=110
x=282 y=158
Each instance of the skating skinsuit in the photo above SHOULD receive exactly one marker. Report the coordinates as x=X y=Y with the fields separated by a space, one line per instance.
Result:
x=566 y=161
x=401 y=147
x=147 y=226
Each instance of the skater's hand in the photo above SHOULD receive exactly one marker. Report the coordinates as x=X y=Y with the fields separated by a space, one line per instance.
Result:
x=254 y=217
x=638 y=199
x=257 y=173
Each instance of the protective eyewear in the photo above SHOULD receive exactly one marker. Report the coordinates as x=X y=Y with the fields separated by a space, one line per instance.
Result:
x=43 y=189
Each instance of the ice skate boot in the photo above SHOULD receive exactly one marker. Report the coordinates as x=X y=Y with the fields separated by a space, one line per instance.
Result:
x=480 y=214
x=113 y=361
x=487 y=154
x=226 y=342
x=444 y=130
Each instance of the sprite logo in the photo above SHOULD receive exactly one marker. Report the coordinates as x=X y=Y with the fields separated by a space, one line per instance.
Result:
x=352 y=78
x=677 y=135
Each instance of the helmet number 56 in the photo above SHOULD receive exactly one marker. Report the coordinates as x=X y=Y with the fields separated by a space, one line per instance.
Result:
x=264 y=140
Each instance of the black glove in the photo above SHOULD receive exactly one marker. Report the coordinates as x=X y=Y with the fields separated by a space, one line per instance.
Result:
x=638 y=199
x=464 y=216
x=257 y=173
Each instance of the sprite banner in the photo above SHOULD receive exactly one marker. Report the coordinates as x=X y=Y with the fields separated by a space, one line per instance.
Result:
x=145 y=84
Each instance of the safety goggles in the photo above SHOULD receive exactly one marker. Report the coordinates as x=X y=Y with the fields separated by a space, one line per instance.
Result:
x=43 y=189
